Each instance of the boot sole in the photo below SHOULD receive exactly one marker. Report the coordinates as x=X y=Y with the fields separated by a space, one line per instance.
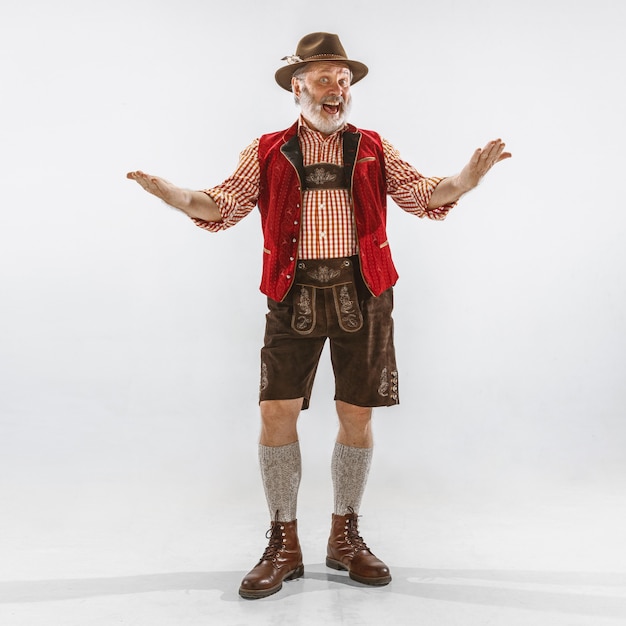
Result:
x=374 y=582
x=256 y=594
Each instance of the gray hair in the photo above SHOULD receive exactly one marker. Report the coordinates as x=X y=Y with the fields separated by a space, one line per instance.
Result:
x=299 y=75
x=300 y=72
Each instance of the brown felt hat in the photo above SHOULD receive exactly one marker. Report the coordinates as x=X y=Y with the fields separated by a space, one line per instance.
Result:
x=318 y=47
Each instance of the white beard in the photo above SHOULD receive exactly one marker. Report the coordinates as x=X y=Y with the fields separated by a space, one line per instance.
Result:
x=314 y=113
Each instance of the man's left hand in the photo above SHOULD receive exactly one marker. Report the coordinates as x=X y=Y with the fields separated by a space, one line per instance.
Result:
x=481 y=162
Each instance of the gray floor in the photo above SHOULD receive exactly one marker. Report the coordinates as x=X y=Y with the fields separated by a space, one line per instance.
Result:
x=543 y=556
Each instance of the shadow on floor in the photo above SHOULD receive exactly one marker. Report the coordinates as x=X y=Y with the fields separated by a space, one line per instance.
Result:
x=581 y=593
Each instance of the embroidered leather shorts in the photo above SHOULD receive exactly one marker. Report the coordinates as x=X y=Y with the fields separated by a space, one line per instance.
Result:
x=329 y=300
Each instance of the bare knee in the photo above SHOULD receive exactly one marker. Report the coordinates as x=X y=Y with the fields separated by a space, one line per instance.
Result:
x=279 y=420
x=355 y=425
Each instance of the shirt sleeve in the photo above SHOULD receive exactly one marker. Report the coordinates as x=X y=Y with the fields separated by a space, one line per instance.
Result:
x=238 y=194
x=409 y=189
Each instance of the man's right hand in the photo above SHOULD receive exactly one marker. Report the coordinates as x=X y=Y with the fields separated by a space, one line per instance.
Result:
x=195 y=204
x=161 y=188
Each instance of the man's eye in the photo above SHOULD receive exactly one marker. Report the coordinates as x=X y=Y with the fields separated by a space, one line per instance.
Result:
x=323 y=79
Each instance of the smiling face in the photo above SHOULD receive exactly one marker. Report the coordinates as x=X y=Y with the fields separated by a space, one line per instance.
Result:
x=323 y=92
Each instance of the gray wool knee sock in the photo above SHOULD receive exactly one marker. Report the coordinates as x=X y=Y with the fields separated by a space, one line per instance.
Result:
x=281 y=469
x=350 y=468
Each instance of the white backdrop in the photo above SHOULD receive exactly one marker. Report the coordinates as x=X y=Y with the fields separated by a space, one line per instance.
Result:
x=127 y=386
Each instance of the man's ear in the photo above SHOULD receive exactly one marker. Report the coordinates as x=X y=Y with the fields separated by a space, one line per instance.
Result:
x=295 y=87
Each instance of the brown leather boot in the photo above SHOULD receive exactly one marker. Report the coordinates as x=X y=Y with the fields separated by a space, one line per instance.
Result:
x=347 y=551
x=282 y=560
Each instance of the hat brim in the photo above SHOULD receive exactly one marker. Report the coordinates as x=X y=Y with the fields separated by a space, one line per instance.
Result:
x=284 y=74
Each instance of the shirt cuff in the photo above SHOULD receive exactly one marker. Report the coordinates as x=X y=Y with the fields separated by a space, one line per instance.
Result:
x=212 y=227
x=438 y=213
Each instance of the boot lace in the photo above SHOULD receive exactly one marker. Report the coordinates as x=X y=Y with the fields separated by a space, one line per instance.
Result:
x=352 y=531
x=275 y=535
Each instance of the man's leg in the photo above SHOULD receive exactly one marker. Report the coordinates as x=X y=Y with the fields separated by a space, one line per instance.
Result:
x=351 y=457
x=279 y=457
x=350 y=468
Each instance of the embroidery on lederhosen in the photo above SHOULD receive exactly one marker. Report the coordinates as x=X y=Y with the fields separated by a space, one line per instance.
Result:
x=323 y=274
x=347 y=306
x=264 y=377
x=387 y=387
x=324 y=176
x=394 y=386
x=303 y=317
x=383 y=388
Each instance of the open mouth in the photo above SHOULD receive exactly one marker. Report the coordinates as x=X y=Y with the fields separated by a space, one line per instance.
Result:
x=331 y=109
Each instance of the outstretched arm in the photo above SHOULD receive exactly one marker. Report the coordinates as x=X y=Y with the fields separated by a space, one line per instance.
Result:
x=195 y=204
x=450 y=189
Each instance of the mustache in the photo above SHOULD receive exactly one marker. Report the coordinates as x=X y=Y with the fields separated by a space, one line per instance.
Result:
x=333 y=100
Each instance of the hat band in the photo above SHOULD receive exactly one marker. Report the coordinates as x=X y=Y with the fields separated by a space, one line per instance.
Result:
x=334 y=57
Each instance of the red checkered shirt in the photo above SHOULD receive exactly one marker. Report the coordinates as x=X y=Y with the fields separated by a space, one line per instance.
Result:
x=328 y=229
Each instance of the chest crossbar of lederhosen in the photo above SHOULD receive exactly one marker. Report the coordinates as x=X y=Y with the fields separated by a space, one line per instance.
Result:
x=328 y=228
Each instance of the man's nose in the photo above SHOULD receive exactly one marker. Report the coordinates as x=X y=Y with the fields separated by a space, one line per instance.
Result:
x=336 y=89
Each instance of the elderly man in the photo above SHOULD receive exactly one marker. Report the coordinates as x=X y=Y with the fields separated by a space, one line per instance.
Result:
x=321 y=189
